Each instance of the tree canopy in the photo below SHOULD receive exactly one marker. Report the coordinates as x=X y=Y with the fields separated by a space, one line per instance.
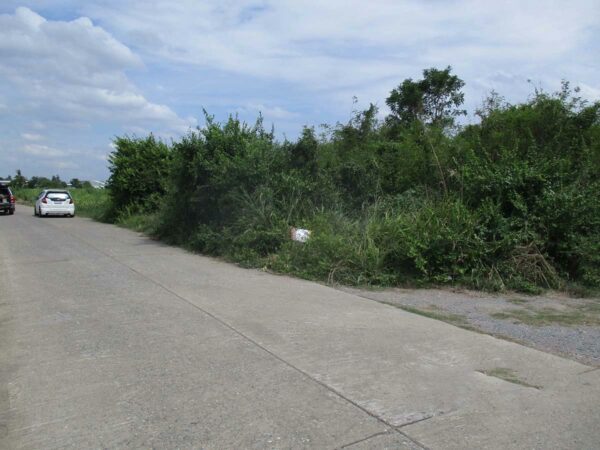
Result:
x=433 y=100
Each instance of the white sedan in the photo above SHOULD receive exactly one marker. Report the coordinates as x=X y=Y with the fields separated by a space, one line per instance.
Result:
x=54 y=202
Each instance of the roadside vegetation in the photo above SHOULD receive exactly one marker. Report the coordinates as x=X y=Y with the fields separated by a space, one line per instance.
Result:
x=511 y=202
x=586 y=314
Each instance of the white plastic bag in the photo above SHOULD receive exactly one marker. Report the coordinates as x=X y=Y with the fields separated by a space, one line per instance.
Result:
x=299 y=234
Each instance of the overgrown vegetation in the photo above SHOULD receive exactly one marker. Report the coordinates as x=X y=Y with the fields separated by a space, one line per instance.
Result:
x=509 y=203
x=138 y=176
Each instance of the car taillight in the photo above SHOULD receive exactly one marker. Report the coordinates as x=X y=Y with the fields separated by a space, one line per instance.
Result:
x=12 y=199
x=44 y=200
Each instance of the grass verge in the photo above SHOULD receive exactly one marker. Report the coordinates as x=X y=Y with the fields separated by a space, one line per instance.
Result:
x=588 y=314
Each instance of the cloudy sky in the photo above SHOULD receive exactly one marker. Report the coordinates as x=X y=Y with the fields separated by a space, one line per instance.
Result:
x=75 y=74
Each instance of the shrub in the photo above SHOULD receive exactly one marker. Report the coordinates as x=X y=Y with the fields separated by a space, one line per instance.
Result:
x=509 y=203
x=138 y=174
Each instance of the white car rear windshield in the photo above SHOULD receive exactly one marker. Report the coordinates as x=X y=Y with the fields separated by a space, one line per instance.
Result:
x=58 y=196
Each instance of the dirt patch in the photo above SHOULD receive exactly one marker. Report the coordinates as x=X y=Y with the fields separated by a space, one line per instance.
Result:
x=553 y=322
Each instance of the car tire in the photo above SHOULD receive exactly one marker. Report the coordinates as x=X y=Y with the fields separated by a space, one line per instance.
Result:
x=11 y=212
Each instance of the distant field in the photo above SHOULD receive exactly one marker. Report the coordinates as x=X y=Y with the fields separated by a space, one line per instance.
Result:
x=88 y=202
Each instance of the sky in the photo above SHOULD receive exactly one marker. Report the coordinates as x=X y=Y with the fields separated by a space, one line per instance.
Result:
x=74 y=75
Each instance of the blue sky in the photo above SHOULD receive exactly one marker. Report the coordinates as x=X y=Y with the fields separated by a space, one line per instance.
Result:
x=75 y=74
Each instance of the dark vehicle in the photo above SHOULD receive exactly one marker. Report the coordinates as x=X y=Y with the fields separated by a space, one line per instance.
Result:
x=7 y=199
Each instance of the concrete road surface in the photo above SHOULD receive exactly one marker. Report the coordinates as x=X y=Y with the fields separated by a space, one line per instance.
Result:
x=111 y=340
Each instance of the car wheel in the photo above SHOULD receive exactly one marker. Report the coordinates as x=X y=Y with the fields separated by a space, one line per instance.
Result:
x=11 y=212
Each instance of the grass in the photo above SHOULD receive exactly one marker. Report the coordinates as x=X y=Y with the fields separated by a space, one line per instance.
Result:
x=509 y=375
x=577 y=290
x=142 y=223
x=517 y=301
x=587 y=314
x=433 y=312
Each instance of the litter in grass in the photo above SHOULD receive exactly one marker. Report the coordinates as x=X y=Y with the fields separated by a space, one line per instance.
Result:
x=299 y=234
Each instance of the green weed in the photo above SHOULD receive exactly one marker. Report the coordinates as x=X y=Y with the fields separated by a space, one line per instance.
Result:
x=589 y=314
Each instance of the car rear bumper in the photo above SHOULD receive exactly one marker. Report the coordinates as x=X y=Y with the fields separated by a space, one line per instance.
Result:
x=7 y=207
x=58 y=210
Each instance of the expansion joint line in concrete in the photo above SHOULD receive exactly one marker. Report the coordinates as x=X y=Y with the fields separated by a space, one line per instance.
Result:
x=381 y=433
x=414 y=421
x=249 y=339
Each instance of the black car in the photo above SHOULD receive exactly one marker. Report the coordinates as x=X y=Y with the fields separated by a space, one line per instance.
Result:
x=7 y=199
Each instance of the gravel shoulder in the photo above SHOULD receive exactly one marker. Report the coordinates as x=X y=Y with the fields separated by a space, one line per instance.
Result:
x=553 y=322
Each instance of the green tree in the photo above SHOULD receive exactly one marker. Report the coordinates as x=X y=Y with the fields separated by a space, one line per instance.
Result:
x=303 y=153
x=434 y=100
x=75 y=182
x=138 y=170
x=19 y=180
x=56 y=182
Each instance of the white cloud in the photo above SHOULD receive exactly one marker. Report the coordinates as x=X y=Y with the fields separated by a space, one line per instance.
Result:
x=128 y=66
x=43 y=151
x=345 y=44
x=268 y=112
x=589 y=92
x=66 y=165
x=32 y=137
x=74 y=71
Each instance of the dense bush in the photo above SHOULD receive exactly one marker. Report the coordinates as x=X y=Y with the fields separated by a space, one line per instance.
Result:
x=138 y=177
x=511 y=202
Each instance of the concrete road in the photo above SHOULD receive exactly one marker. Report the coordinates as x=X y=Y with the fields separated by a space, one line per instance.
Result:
x=111 y=340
